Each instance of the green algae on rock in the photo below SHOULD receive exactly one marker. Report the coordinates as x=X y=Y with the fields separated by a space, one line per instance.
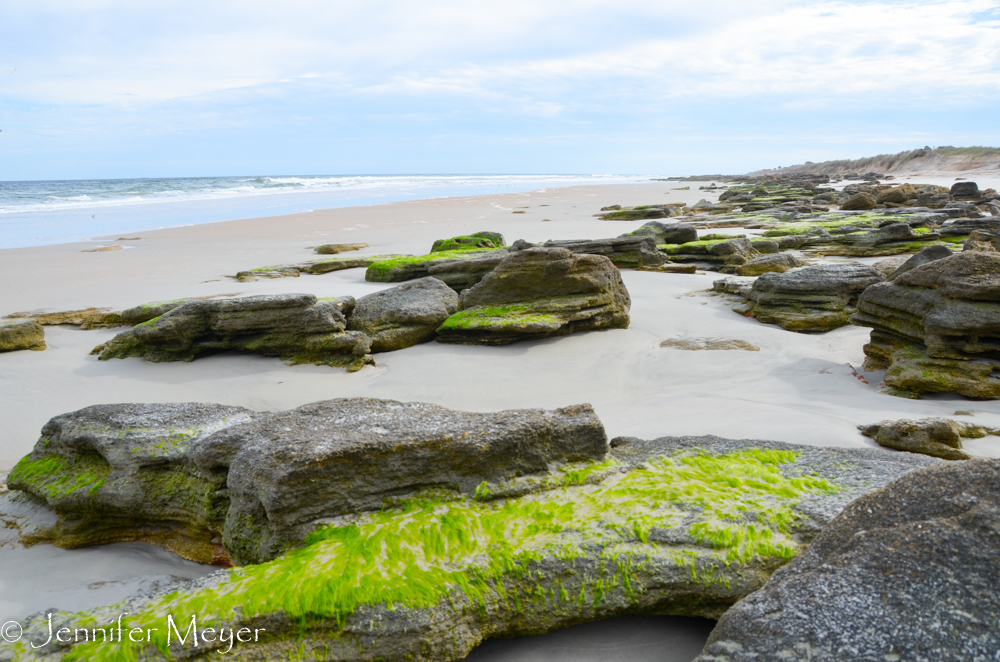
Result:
x=396 y=270
x=23 y=334
x=469 y=241
x=670 y=526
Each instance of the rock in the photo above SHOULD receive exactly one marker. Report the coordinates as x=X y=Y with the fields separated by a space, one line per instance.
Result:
x=981 y=240
x=672 y=268
x=298 y=328
x=327 y=459
x=152 y=310
x=538 y=293
x=730 y=253
x=333 y=249
x=936 y=328
x=442 y=265
x=910 y=572
x=860 y=201
x=928 y=254
x=465 y=242
x=678 y=233
x=315 y=267
x=965 y=190
x=404 y=315
x=26 y=334
x=890 y=264
x=740 y=285
x=624 y=252
x=937 y=437
x=683 y=526
x=87 y=318
x=641 y=213
x=819 y=298
x=710 y=344
x=128 y=472
x=773 y=262
x=966 y=226
x=897 y=194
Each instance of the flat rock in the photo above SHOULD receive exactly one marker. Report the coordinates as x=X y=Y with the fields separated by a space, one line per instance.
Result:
x=333 y=249
x=465 y=242
x=23 y=334
x=404 y=315
x=910 y=572
x=937 y=437
x=628 y=252
x=443 y=265
x=298 y=328
x=538 y=293
x=676 y=233
x=773 y=262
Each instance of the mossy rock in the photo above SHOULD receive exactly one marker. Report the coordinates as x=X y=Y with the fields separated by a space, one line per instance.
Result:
x=23 y=334
x=470 y=241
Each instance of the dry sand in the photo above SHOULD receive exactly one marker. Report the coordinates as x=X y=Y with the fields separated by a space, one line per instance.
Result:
x=800 y=388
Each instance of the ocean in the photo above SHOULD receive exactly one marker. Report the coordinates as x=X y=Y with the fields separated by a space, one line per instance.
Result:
x=49 y=212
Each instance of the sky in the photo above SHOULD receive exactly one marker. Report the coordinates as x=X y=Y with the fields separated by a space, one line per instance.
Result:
x=115 y=89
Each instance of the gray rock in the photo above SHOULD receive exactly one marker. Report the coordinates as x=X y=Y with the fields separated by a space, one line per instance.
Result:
x=334 y=249
x=963 y=227
x=449 y=267
x=465 y=242
x=624 y=252
x=936 y=328
x=404 y=315
x=928 y=254
x=981 y=240
x=538 y=293
x=965 y=190
x=860 y=201
x=298 y=328
x=331 y=458
x=126 y=472
x=937 y=437
x=23 y=334
x=677 y=233
x=773 y=262
x=910 y=572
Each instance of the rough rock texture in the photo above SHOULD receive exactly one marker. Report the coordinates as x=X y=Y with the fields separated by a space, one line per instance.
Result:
x=860 y=201
x=936 y=328
x=87 y=318
x=677 y=233
x=465 y=242
x=26 y=334
x=981 y=240
x=295 y=327
x=816 y=298
x=641 y=213
x=910 y=572
x=448 y=266
x=680 y=526
x=730 y=253
x=928 y=254
x=128 y=472
x=963 y=227
x=404 y=315
x=937 y=437
x=890 y=264
x=624 y=252
x=772 y=262
x=333 y=249
x=537 y=293
x=349 y=455
x=315 y=267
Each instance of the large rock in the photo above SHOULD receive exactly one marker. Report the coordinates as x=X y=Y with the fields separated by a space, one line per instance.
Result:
x=127 y=472
x=298 y=328
x=629 y=252
x=677 y=233
x=969 y=190
x=819 y=298
x=404 y=315
x=928 y=254
x=538 y=293
x=897 y=194
x=936 y=328
x=470 y=241
x=771 y=262
x=682 y=526
x=24 y=334
x=330 y=458
x=860 y=201
x=459 y=269
x=910 y=572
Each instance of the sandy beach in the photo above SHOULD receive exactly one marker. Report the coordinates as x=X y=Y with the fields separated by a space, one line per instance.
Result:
x=801 y=388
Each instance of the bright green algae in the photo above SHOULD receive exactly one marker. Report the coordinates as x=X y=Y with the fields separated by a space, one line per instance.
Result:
x=488 y=317
x=382 y=267
x=422 y=553
x=55 y=477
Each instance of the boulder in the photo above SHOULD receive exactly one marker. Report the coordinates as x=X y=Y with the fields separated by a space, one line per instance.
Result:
x=404 y=315
x=909 y=572
x=936 y=328
x=981 y=240
x=298 y=328
x=538 y=293
x=937 y=437
x=860 y=201
x=772 y=262
x=928 y=254
x=87 y=318
x=678 y=233
x=897 y=194
x=624 y=252
x=819 y=298
x=298 y=468
x=127 y=472
x=677 y=525
x=333 y=249
x=315 y=267
x=443 y=265
x=969 y=190
x=23 y=334
x=465 y=242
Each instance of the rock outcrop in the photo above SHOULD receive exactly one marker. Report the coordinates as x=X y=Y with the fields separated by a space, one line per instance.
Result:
x=682 y=526
x=298 y=328
x=334 y=249
x=936 y=328
x=25 y=334
x=860 y=201
x=676 y=233
x=314 y=267
x=728 y=253
x=466 y=242
x=86 y=318
x=937 y=437
x=910 y=572
x=819 y=298
x=629 y=252
x=459 y=269
x=640 y=213
x=771 y=262
x=538 y=293
x=404 y=315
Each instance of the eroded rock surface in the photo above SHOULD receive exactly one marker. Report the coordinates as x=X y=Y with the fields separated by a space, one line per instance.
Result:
x=910 y=572
x=936 y=328
x=675 y=233
x=629 y=252
x=25 y=334
x=538 y=293
x=466 y=242
x=937 y=437
x=404 y=315
x=298 y=328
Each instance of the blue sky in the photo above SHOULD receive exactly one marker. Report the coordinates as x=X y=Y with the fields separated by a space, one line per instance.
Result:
x=104 y=88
